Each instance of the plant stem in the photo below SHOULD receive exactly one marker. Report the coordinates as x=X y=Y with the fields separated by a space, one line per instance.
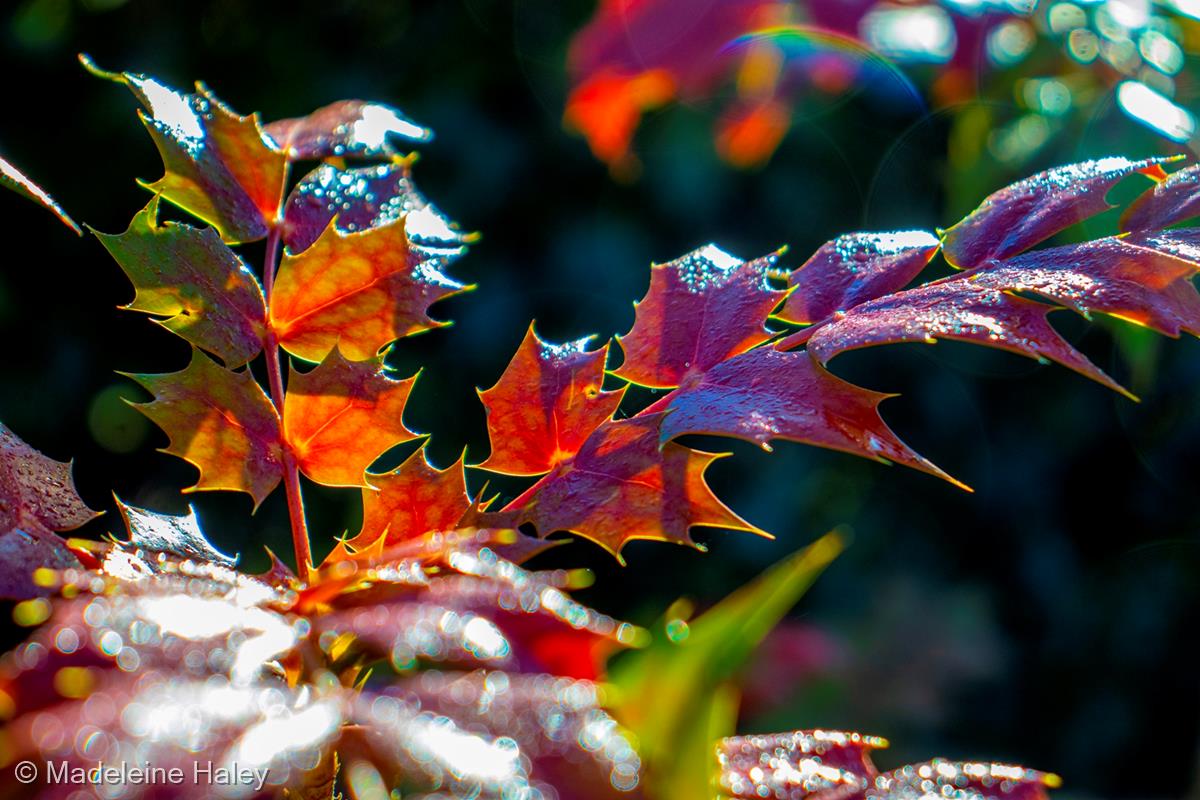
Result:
x=291 y=472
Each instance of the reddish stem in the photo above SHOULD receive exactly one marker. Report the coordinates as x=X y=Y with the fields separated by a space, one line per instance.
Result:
x=291 y=472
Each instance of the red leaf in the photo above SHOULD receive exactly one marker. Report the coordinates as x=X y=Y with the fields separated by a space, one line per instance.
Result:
x=700 y=310
x=624 y=485
x=772 y=765
x=353 y=128
x=365 y=198
x=1019 y=216
x=209 y=296
x=341 y=416
x=767 y=394
x=412 y=500
x=853 y=269
x=547 y=402
x=22 y=554
x=956 y=309
x=1143 y=278
x=37 y=494
x=1166 y=202
x=219 y=166
x=356 y=291
x=13 y=178
x=220 y=421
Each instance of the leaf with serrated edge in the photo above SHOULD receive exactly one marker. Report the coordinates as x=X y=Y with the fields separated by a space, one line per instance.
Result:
x=218 y=165
x=547 y=402
x=37 y=494
x=853 y=269
x=623 y=485
x=956 y=309
x=414 y=499
x=358 y=291
x=188 y=275
x=165 y=533
x=767 y=394
x=701 y=309
x=365 y=198
x=341 y=416
x=1166 y=202
x=221 y=422
x=13 y=178
x=1030 y=211
x=347 y=128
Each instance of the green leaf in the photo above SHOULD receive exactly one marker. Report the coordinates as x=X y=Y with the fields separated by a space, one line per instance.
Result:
x=685 y=682
x=188 y=275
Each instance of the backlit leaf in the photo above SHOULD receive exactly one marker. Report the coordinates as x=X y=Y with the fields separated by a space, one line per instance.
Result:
x=853 y=269
x=956 y=309
x=414 y=499
x=219 y=166
x=667 y=690
x=188 y=275
x=353 y=128
x=797 y=764
x=700 y=309
x=365 y=198
x=358 y=291
x=547 y=402
x=1019 y=216
x=624 y=485
x=37 y=494
x=220 y=421
x=767 y=394
x=13 y=178
x=153 y=532
x=342 y=415
x=1166 y=202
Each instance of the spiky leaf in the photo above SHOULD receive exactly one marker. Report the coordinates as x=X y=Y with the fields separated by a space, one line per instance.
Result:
x=220 y=421
x=700 y=310
x=219 y=166
x=13 y=178
x=37 y=494
x=341 y=416
x=547 y=402
x=1166 y=202
x=353 y=128
x=414 y=499
x=356 y=291
x=189 y=276
x=181 y=536
x=623 y=485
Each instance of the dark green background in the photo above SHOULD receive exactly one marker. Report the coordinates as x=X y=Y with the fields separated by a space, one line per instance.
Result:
x=1050 y=618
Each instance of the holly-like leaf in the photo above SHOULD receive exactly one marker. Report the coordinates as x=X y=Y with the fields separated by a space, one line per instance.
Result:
x=341 y=416
x=219 y=166
x=221 y=422
x=1166 y=202
x=547 y=402
x=853 y=269
x=357 y=291
x=13 y=178
x=624 y=485
x=957 y=309
x=1143 y=278
x=37 y=494
x=347 y=128
x=153 y=532
x=767 y=394
x=414 y=499
x=700 y=310
x=365 y=198
x=188 y=275
x=22 y=555
x=1019 y=216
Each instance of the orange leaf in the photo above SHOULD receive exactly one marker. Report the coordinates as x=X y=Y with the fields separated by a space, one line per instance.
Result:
x=220 y=421
x=358 y=291
x=341 y=416
x=414 y=499
x=545 y=405
x=622 y=486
